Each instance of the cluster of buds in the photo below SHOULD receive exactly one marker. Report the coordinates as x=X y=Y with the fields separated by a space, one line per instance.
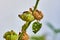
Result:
x=27 y=16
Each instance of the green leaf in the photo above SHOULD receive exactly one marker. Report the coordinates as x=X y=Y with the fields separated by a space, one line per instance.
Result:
x=36 y=26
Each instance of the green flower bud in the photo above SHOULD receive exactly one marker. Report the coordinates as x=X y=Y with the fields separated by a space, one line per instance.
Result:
x=27 y=16
x=10 y=35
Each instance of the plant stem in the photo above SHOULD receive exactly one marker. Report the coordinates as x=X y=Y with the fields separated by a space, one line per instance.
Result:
x=25 y=26
x=35 y=7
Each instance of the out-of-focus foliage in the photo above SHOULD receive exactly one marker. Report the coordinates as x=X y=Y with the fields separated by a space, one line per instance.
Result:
x=52 y=27
x=38 y=37
x=55 y=31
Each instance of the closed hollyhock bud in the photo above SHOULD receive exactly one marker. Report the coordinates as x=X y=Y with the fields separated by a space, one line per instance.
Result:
x=38 y=15
x=27 y=16
x=23 y=36
x=10 y=35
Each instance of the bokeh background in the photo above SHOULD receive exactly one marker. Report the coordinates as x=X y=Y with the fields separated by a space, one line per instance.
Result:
x=9 y=20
